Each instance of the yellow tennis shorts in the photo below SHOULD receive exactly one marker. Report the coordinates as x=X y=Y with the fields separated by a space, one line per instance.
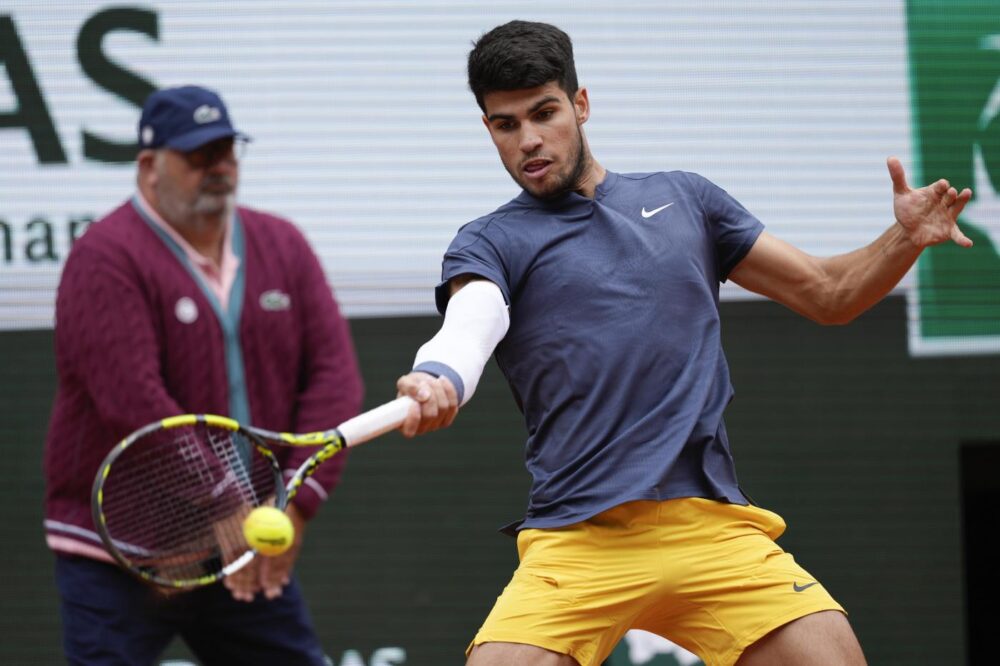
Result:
x=706 y=575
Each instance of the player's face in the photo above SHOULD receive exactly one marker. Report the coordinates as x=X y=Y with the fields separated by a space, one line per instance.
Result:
x=538 y=133
x=197 y=184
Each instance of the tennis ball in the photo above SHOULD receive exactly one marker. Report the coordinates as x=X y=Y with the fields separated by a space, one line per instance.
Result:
x=268 y=531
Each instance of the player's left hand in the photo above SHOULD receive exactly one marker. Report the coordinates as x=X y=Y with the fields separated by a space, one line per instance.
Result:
x=273 y=573
x=929 y=214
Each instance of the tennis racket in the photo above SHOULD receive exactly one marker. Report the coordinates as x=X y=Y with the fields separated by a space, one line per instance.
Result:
x=170 y=499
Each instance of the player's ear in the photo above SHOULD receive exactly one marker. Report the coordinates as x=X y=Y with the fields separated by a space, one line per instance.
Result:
x=581 y=105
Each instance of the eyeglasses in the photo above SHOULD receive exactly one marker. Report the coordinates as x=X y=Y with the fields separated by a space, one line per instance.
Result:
x=214 y=152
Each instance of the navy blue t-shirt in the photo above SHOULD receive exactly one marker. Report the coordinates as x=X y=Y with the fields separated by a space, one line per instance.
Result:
x=614 y=353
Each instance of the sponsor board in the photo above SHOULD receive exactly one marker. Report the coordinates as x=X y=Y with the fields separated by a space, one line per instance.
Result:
x=955 y=65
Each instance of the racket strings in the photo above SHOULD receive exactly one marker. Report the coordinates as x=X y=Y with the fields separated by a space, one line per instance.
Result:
x=174 y=500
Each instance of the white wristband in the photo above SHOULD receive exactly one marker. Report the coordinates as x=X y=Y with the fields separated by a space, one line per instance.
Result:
x=474 y=323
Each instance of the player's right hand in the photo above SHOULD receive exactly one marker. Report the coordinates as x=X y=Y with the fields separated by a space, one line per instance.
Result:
x=437 y=403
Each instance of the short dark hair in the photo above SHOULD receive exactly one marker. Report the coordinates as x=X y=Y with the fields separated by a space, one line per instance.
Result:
x=519 y=55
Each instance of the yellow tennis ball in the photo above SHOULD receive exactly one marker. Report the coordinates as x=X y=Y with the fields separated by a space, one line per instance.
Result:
x=268 y=530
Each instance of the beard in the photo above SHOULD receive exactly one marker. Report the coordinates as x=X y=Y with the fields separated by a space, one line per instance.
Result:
x=214 y=200
x=564 y=182
x=217 y=199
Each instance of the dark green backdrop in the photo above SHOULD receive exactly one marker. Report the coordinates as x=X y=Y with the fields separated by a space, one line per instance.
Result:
x=855 y=443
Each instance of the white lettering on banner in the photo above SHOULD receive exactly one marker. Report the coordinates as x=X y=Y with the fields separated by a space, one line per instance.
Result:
x=388 y=656
x=384 y=656
x=351 y=658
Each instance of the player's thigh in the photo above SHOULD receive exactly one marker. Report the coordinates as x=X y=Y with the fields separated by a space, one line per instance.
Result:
x=548 y=610
x=733 y=584
x=516 y=654
x=576 y=587
x=818 y=639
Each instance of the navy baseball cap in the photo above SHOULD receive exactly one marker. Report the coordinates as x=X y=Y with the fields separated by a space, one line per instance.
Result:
x=184 y=118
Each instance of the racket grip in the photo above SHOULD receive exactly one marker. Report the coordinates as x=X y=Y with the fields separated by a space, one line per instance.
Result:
x=375 y=422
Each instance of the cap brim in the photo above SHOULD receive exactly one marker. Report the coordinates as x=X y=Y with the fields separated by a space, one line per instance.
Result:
x=200 y=137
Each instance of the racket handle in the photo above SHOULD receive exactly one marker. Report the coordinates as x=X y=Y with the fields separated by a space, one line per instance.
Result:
x=375 y=422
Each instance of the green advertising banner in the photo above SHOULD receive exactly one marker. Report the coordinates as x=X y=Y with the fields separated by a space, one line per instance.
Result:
x=955 y=82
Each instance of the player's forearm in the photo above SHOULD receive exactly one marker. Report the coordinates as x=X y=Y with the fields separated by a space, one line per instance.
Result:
x=858 y=280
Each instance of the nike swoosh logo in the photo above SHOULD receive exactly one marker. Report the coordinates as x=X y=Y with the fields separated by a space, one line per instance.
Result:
x=800 y=588
x=651 y=213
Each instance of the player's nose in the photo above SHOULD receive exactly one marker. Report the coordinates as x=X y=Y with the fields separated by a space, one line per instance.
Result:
x=530 y=141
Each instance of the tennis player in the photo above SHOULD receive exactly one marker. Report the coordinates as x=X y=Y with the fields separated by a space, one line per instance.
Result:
x=598 y=293
x=177 y=301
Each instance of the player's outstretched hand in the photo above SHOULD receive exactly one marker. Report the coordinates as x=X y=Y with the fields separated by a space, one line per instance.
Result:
x=437 y=403
x=929 y=214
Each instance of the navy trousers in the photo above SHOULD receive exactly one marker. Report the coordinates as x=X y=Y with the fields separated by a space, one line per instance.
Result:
x=111 y=619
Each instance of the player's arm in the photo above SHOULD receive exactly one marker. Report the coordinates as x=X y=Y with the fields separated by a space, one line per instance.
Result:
x=448 y=367
x=835 y=290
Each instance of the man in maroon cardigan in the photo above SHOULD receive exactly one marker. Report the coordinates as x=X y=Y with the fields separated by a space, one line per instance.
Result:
x=181 y=301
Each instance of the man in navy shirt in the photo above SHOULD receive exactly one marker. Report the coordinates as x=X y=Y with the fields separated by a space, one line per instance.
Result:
x=598 y=294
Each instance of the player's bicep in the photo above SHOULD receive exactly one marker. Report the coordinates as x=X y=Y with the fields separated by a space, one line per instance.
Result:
x=781 y=272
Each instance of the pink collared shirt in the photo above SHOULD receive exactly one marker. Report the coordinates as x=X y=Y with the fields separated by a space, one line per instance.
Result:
x=219 y=278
